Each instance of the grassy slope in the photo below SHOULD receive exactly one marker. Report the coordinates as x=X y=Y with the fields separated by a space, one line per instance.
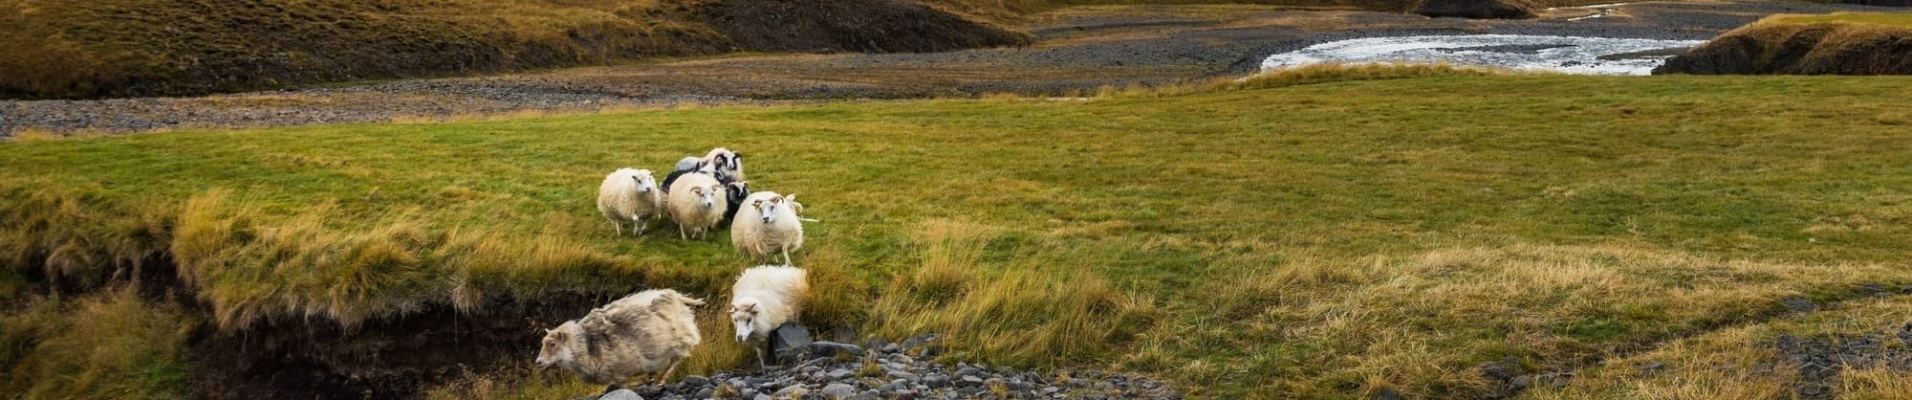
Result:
x=1901 y=20
x=1316 y=241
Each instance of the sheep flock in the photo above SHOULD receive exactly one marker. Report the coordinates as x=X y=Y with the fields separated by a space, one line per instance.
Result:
x=650 y=332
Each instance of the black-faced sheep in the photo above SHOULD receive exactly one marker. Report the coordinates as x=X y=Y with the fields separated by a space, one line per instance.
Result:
x=630 y=195
x=765 y=298
x=646 y=332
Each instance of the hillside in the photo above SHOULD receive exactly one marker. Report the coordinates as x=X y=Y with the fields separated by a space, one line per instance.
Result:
x=73 y=49
x=1312 y=235
x=1836 y=44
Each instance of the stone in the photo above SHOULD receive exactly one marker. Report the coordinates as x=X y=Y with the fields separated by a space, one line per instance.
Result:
x=621 y=394
x=761 y=396
x=831 y=349
x=937 y=381
x=791 y=340
x=905 y=376
x=838 y=391
x=791 y=391
x=696 y=380
x=840 y=373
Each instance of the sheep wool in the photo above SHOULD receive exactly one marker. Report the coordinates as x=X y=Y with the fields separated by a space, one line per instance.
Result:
x=630 y=195
x=765 y=298
x=767 y=224
x=697 y=203
x=642 y=333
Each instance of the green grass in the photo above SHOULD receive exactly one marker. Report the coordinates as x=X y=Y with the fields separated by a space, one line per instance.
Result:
x=1317 y=239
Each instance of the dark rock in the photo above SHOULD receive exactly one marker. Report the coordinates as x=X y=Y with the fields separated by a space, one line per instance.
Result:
x=791 y=339
x=892 y=348
x=936 y=380
x=696 y=380
x=706 y=393
x=905 y=376
x=1797 y=304
x=1388 y=394
x=1476 y=9
x=831 y=349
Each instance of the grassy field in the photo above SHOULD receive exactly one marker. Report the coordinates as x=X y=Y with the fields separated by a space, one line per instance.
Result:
x=1901 y=20
x=1307 y=235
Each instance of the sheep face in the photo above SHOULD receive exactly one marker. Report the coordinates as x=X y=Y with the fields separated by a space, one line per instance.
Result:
x=737 y=191
x=743 y=314
x=704 y=197
x=709 y=196
x=727 y=164
x=645 y=182
x=557 y=347
x=768 y=208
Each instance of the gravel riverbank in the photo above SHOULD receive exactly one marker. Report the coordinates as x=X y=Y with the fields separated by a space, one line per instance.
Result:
x=908 y=370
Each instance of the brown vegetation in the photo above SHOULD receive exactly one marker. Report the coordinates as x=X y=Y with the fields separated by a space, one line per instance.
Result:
x=1840 y=44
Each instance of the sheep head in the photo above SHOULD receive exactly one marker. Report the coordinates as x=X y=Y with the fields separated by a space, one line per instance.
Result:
x=703 y=196
x=769 y=208
x=560 y=345
x=743 y=315
x=645 y=182
x=726 y=164
x=737 y=190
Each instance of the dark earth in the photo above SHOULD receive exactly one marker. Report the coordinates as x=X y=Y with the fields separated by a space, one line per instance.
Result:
x=1074 y=51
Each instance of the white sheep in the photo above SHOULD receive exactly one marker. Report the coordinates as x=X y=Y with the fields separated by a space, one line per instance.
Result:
x=642 y=333
x=767 y=224
x=765 y=298
x=729 y=165
x=697 y=203
x=630 y=195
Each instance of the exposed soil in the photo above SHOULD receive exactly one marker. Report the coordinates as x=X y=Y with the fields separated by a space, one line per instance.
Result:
x=1821 y=360
x=387 y=358
x=1078 y=49
x=1804 y=49
x=873 y=26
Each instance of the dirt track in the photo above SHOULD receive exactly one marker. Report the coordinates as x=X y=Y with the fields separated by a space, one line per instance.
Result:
x=1078 y=49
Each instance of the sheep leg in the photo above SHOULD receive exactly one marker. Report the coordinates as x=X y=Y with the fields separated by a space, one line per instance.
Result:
x=617 y=227
x=666 y=377
x=786 y=256
x=640 y=225
x=682 y=232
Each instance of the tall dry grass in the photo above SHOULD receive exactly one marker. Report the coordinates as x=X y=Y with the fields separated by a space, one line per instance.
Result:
x=1013 y=313
x=109 y=345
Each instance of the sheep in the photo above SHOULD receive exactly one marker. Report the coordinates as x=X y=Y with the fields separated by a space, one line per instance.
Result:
x=630 y=195
x=729 y=164
x=763 y=299
x=684 y=166
x=734 y=192
x=638 y=334
x=697 y=203
x=767 y=225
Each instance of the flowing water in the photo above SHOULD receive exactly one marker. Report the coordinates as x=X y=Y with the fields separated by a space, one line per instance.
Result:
x=1566 y=54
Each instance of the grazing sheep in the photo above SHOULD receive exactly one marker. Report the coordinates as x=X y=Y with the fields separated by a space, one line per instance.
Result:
x=729 y=164
x=697 y=203
x=642 y=333
x=763 y=299
x=767 y=225
x=630 y=195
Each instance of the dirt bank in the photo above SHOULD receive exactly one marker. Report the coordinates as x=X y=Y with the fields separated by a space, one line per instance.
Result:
x=1821 y=48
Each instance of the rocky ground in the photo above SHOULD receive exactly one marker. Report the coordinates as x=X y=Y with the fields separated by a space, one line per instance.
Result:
x=883 y=370
x=1078 y=49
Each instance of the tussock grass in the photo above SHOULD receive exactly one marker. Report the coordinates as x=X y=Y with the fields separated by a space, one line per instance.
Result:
x=1023 y=314
x=1323 y=240
x=110 y=345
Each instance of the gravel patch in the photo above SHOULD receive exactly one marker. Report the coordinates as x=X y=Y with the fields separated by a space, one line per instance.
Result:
x=905 y=370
